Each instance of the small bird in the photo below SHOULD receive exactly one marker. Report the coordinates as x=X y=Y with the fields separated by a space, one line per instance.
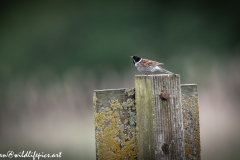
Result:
x=147 y=66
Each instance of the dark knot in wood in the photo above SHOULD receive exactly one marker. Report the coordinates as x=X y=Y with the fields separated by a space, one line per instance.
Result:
x=164 y=95
x=165 y=149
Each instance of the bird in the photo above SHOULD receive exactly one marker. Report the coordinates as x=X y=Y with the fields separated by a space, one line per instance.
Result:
x=147 y=66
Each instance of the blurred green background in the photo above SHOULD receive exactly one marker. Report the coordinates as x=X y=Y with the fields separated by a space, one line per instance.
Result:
x=53 y=54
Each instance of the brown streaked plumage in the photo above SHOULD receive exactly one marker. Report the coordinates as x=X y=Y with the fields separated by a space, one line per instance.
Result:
x=147 y=62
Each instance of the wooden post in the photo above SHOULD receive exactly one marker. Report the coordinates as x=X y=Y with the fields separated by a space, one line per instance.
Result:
x=115 y=124
x=191 y=121
x=138 y=124
x=159 y=122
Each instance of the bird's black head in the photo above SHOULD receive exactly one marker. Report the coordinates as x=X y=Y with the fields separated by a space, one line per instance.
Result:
x=135 y=59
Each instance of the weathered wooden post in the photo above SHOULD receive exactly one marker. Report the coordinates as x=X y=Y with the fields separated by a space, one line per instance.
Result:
x=191 y=121
x=115 y=124
x=159 y=119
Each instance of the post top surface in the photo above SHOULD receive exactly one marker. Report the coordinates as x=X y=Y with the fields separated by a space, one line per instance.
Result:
x=158 y=75
x=189 y=84
x=103 y=90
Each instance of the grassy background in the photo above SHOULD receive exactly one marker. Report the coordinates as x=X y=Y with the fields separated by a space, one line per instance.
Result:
x=54 y=54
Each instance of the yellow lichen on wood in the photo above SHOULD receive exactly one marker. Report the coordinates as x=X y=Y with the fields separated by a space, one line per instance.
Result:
x=115 y=136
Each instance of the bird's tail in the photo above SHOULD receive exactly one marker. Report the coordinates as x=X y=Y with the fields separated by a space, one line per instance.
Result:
x=164 y=70
x=168 y=72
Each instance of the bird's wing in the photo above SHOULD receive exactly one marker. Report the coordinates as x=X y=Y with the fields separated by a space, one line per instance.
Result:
x=160 y=64
x=147 y=62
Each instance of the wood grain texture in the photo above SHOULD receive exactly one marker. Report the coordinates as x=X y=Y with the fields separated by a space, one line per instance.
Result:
x=191 y=121
x=159 y=122
x=115 y=124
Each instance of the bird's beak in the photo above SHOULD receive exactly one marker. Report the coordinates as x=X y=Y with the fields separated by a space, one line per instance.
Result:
x=131 y=56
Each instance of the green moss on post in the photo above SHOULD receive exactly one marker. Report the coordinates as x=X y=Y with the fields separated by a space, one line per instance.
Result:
x=144 y=105
x=159 y=122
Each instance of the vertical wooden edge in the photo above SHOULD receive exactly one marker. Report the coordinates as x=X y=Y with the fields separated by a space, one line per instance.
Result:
x=94 y=107
x=144 y=107
x=190 y=107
